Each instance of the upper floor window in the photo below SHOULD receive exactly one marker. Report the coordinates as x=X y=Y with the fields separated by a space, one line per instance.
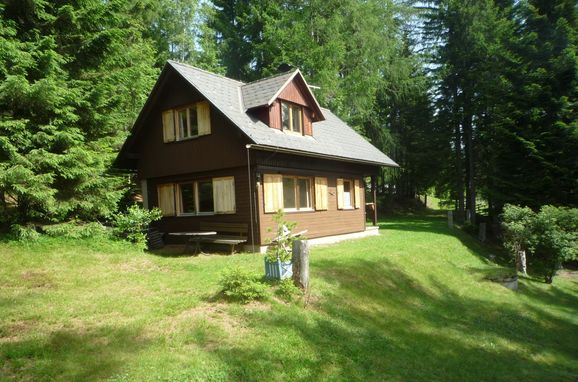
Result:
x=186 y=122
x=291 y=117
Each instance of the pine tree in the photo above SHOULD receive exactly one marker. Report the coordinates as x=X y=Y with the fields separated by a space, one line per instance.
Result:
x=74 y=74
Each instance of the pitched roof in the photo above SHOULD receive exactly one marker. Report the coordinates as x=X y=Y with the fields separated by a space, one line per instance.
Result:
x=331 y=137
x=262 y=92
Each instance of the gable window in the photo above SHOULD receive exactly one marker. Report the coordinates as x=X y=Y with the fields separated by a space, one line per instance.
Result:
x=186 y=122
x=201 y=197
x=291 y=117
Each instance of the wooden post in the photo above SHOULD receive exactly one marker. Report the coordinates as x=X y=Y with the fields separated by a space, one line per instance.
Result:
x=450 y=219
x=300 y=261
x=374 y=194
x=482 y=232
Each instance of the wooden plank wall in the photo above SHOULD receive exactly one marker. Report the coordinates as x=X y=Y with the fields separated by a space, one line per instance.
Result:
x=317 y=223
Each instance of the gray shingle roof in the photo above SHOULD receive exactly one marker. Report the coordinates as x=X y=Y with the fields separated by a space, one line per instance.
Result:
x=260 y=92
x=331 y=137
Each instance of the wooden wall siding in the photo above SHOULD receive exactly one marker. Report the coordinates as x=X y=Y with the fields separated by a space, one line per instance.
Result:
x=223 y=148
x=317 y=223
x=275 y=115
x=307 y=124
x=192 y=223
x=293 y=94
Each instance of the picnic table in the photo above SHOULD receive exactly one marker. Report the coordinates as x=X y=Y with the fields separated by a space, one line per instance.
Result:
x=191 y=236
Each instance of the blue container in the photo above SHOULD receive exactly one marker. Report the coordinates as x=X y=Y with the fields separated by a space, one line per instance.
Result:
x=278 y=270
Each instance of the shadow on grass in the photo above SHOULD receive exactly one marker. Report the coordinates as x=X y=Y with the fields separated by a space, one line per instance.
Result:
x=382 y=324
x=71 y=355
x=435 y=222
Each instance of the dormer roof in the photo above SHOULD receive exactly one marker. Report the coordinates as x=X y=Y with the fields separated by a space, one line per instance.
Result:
x=265 y=91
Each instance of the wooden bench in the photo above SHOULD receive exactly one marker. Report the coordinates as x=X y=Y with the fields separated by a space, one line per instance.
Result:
x=227 y=233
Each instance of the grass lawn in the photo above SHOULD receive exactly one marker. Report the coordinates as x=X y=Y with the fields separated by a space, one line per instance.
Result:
x=409 y=305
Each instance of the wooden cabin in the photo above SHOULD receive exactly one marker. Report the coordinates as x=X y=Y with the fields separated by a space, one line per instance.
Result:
x=208 y=149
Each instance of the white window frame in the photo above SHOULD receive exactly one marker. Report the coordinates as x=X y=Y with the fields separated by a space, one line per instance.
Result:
x=179 y=201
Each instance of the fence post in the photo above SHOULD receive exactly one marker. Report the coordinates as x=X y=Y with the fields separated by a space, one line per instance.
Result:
x=300 y=261
x=450 y=219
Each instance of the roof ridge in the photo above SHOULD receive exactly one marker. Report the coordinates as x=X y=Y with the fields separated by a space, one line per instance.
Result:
x=290 y=73
x=206 y=71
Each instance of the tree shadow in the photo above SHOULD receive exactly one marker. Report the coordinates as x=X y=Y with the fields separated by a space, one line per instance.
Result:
x=435 y=223
x=72 y=355
x=381 y=324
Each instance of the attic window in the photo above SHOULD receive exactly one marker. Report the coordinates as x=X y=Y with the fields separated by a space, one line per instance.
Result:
x=186 y=122
x=291 y=117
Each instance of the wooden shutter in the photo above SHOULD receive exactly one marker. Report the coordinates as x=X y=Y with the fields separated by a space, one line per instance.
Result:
x=166 y=195
x=273 y=192
x=340 y=193
x=224 y=195
x=204 y=118
x=320 y=194
x=357 y=194
x=168 y=126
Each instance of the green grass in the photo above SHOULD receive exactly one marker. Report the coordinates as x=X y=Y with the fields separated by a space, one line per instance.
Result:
x=410 y=305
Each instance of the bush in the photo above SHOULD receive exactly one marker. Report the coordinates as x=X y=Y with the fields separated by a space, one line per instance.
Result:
x=76 y=230
x=287 y=290
x=133 y=224
x=240 y=285
x=551 y=235
x=556 y=238
x=24 y=233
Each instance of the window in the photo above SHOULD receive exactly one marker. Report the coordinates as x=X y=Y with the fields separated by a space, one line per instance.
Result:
x=348 y=194
x=202 y=197
x=291 y=117
x=296 y=193
x=291 y=193
x=186 y=122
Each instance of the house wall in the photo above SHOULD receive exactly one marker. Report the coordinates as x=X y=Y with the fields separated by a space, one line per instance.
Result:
x=223 y=148
x=192 y=223
x=317 y=223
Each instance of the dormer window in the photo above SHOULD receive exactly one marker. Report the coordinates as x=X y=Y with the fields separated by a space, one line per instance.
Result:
x=291 y=117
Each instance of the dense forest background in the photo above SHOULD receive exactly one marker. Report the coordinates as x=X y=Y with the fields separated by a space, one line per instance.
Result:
x=475 y=99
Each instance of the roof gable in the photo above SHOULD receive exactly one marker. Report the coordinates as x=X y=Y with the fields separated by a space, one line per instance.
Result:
x=332 y=138
x=265 y=91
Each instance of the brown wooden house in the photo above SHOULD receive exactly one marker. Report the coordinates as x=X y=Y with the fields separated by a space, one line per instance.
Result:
x=207 y=148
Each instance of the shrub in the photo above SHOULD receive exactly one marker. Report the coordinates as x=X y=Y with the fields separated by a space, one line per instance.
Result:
x=76 y=230
x=519 y=232
x=240 y=285
x=133 y=224
x=556 y=237
x=287 y=290
x=551 y=234
x=24 y=233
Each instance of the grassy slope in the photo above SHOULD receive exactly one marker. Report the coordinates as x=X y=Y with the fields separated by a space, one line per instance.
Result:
x=408 y=305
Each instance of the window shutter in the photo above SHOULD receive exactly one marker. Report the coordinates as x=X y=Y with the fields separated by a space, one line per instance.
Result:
x=340 y=193
x=273 y=192
x=320 y=193
x=166 y=195
x=224 y=195
x=204 y=117
x=168 y=126
x=357 y=194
